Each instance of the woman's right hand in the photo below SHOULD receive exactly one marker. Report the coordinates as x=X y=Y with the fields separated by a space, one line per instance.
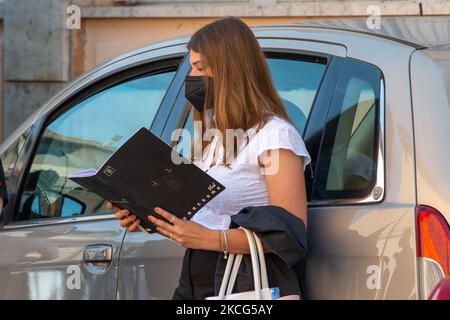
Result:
x=126 y=219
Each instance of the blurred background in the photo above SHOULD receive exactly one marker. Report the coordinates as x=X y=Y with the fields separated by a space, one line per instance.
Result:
x=46 y=43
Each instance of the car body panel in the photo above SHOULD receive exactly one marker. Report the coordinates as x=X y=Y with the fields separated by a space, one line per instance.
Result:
x=430 y=69
x=361 y=252
x=150 y=267
x=46 y=262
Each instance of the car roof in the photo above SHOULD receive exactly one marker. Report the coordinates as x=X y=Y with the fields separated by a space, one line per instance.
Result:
x=418 y=32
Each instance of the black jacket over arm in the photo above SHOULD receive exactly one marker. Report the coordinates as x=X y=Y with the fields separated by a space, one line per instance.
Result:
x=285 y=236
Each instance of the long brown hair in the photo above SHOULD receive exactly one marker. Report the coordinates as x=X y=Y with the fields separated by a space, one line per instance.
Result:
x=241 y=92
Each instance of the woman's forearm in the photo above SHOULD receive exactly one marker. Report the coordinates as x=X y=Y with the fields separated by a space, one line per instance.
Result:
x=236 y=239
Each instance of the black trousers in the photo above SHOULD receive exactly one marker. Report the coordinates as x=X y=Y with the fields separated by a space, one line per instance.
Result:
x=197 y=275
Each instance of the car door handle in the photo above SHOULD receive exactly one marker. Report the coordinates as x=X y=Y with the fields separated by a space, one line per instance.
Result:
x=98 y=253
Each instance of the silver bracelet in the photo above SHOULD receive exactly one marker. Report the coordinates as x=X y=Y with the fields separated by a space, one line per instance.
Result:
x=225 y=244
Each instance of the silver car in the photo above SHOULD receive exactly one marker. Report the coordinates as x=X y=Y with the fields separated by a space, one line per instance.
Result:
x=373 y=106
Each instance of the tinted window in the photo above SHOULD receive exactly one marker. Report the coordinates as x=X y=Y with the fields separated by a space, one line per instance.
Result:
x=297 y=82
x=84 y=137
x=347 y=160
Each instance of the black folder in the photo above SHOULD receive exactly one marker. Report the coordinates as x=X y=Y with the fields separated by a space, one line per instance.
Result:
x=145 y=173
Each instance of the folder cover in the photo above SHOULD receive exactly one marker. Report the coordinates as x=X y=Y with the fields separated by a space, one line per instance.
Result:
x=141 y=175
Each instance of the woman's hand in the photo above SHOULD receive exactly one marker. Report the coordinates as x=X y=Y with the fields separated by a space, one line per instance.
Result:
x=187 y=233
x=125 y=219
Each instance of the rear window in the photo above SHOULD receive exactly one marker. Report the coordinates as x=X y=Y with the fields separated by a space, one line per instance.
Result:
x=347 y=160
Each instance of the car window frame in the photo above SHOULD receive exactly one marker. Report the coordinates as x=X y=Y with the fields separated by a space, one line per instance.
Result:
x=377 y=190
x=15 y=174
x=163 y=62
x=315 y=125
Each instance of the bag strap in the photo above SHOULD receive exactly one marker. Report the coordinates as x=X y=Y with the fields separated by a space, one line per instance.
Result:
x=255 y=263
x=226 y=276
x=260 y=278
x=262 y=262
x=234 y=273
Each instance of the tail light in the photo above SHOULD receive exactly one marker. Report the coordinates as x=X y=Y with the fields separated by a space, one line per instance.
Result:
x=433 y=249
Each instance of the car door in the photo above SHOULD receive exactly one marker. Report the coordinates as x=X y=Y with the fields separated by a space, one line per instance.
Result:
x=301 y=71
x=60 y=241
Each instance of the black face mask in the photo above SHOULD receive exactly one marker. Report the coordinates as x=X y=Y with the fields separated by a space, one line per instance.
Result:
x=195 y=91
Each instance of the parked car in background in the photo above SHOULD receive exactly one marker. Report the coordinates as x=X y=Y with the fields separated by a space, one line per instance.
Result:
x=371 y=105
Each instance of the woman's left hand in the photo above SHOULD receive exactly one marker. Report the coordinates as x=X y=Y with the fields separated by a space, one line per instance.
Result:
x=187 y=233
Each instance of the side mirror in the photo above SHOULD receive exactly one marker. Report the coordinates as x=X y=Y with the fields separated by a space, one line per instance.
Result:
x=67 y=205
x=71 y=206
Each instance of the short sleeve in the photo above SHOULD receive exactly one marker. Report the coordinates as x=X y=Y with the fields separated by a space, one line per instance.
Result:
x=280 y=134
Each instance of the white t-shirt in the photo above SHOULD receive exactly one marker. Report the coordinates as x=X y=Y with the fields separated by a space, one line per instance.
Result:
x=244 y=181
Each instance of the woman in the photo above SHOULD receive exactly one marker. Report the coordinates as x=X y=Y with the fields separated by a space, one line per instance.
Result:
x=236 y=92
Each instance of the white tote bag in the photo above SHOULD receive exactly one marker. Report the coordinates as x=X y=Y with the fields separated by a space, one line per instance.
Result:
x=260 y=279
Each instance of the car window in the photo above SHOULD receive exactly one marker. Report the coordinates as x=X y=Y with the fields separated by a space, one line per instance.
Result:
x=297 y=82
x=84 y=137
x=296 y=79
x=347 y=159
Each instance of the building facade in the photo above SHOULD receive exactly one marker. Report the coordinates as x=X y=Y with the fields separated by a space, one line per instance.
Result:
x=47 y=43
